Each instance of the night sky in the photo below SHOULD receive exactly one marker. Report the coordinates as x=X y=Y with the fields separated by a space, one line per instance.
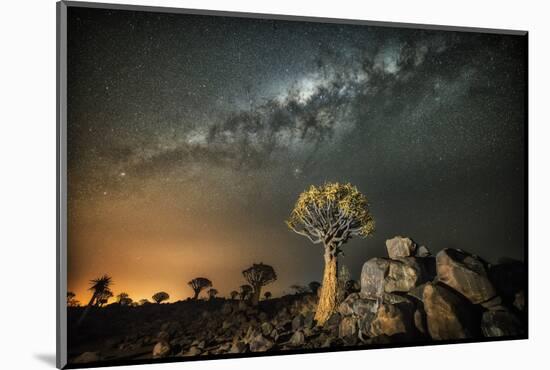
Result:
x=190 y=138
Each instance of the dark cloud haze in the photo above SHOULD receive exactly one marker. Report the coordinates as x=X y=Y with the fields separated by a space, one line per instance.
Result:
x=190 y=138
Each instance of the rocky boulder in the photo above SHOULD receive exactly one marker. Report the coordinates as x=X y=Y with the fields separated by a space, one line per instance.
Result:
x=391 y=319
x=297 y=339
x=448 y=315
x=238 y=347
x=161 y=349
x=509 y=279
x=260 y=344
x=423 y=251
x=400 y=247
x=389 y=314
x=382 y=275
x=465 y=273
x=347 y=327
x=87 y=357
x=501 y=323
x=373 y=275
x=298 y=322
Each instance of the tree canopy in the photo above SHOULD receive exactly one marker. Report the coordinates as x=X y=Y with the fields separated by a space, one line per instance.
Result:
x=331 y=214
x=198 y=284
x=160 y=296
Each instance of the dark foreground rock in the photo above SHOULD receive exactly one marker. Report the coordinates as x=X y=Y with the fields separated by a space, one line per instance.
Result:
x=465 y=273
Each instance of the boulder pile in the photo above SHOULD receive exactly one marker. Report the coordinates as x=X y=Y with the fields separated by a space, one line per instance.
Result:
x=414 y=296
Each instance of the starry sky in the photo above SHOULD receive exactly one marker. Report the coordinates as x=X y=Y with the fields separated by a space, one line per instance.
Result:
x=190 y=138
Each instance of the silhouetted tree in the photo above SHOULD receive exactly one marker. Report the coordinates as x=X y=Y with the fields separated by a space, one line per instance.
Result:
x=267 y=295
x=143 y=302
x=103 y=298
x=298 y=289
x=212 y=293
x=199 y=284
x=160 y=296
x=70 y=295
x=71 y=301
x=100 y=287
x=314 y=286
x=245 y=291
x=259 y=275
x=233 y=294
x=123 y=299
x=331 y=215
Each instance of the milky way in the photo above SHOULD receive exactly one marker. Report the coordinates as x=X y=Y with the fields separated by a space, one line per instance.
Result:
x=190 y=138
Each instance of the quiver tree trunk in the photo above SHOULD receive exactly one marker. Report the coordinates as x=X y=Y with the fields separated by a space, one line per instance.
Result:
x=256 y=295
x=329 y=287
x=196 y=295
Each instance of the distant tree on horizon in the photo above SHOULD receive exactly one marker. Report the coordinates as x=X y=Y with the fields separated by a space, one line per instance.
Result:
x=103 y=298
x=245 y=292
x=70 y=295
x=71 y=301
x=124 y=299
x=212 y=293
x=330 y=215
x=198 y=284
x=101 y=289
x=298 y=289
x=267 y=295
x=314 y=286
x=143 y=301
x=259 y=275
x=160 y=297
x=234 y=294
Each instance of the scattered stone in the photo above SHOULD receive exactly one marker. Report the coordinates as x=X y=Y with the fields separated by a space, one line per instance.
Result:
x=260 y=344
x=161 y=349
x=243 y=306
x=519 y=300
x=237 y=347
x=262 y=316
x=333 y=321
x=400 y=247
x=297 y=339
x=163 y=336
x=227 y=324
x=87 y=357
x=501 y=324
x=227 y=308
x=309 y=320
x=297 y=323
x=348 y=327
x=267 y=328
x=465 y=273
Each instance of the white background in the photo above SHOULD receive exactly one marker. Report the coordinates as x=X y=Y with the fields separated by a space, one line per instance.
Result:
x=27 y=184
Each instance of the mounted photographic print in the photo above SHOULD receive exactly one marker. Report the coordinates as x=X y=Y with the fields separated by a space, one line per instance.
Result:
x=234 y=185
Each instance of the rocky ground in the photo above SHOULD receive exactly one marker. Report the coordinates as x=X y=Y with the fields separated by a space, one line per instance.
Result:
x=408 y=297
